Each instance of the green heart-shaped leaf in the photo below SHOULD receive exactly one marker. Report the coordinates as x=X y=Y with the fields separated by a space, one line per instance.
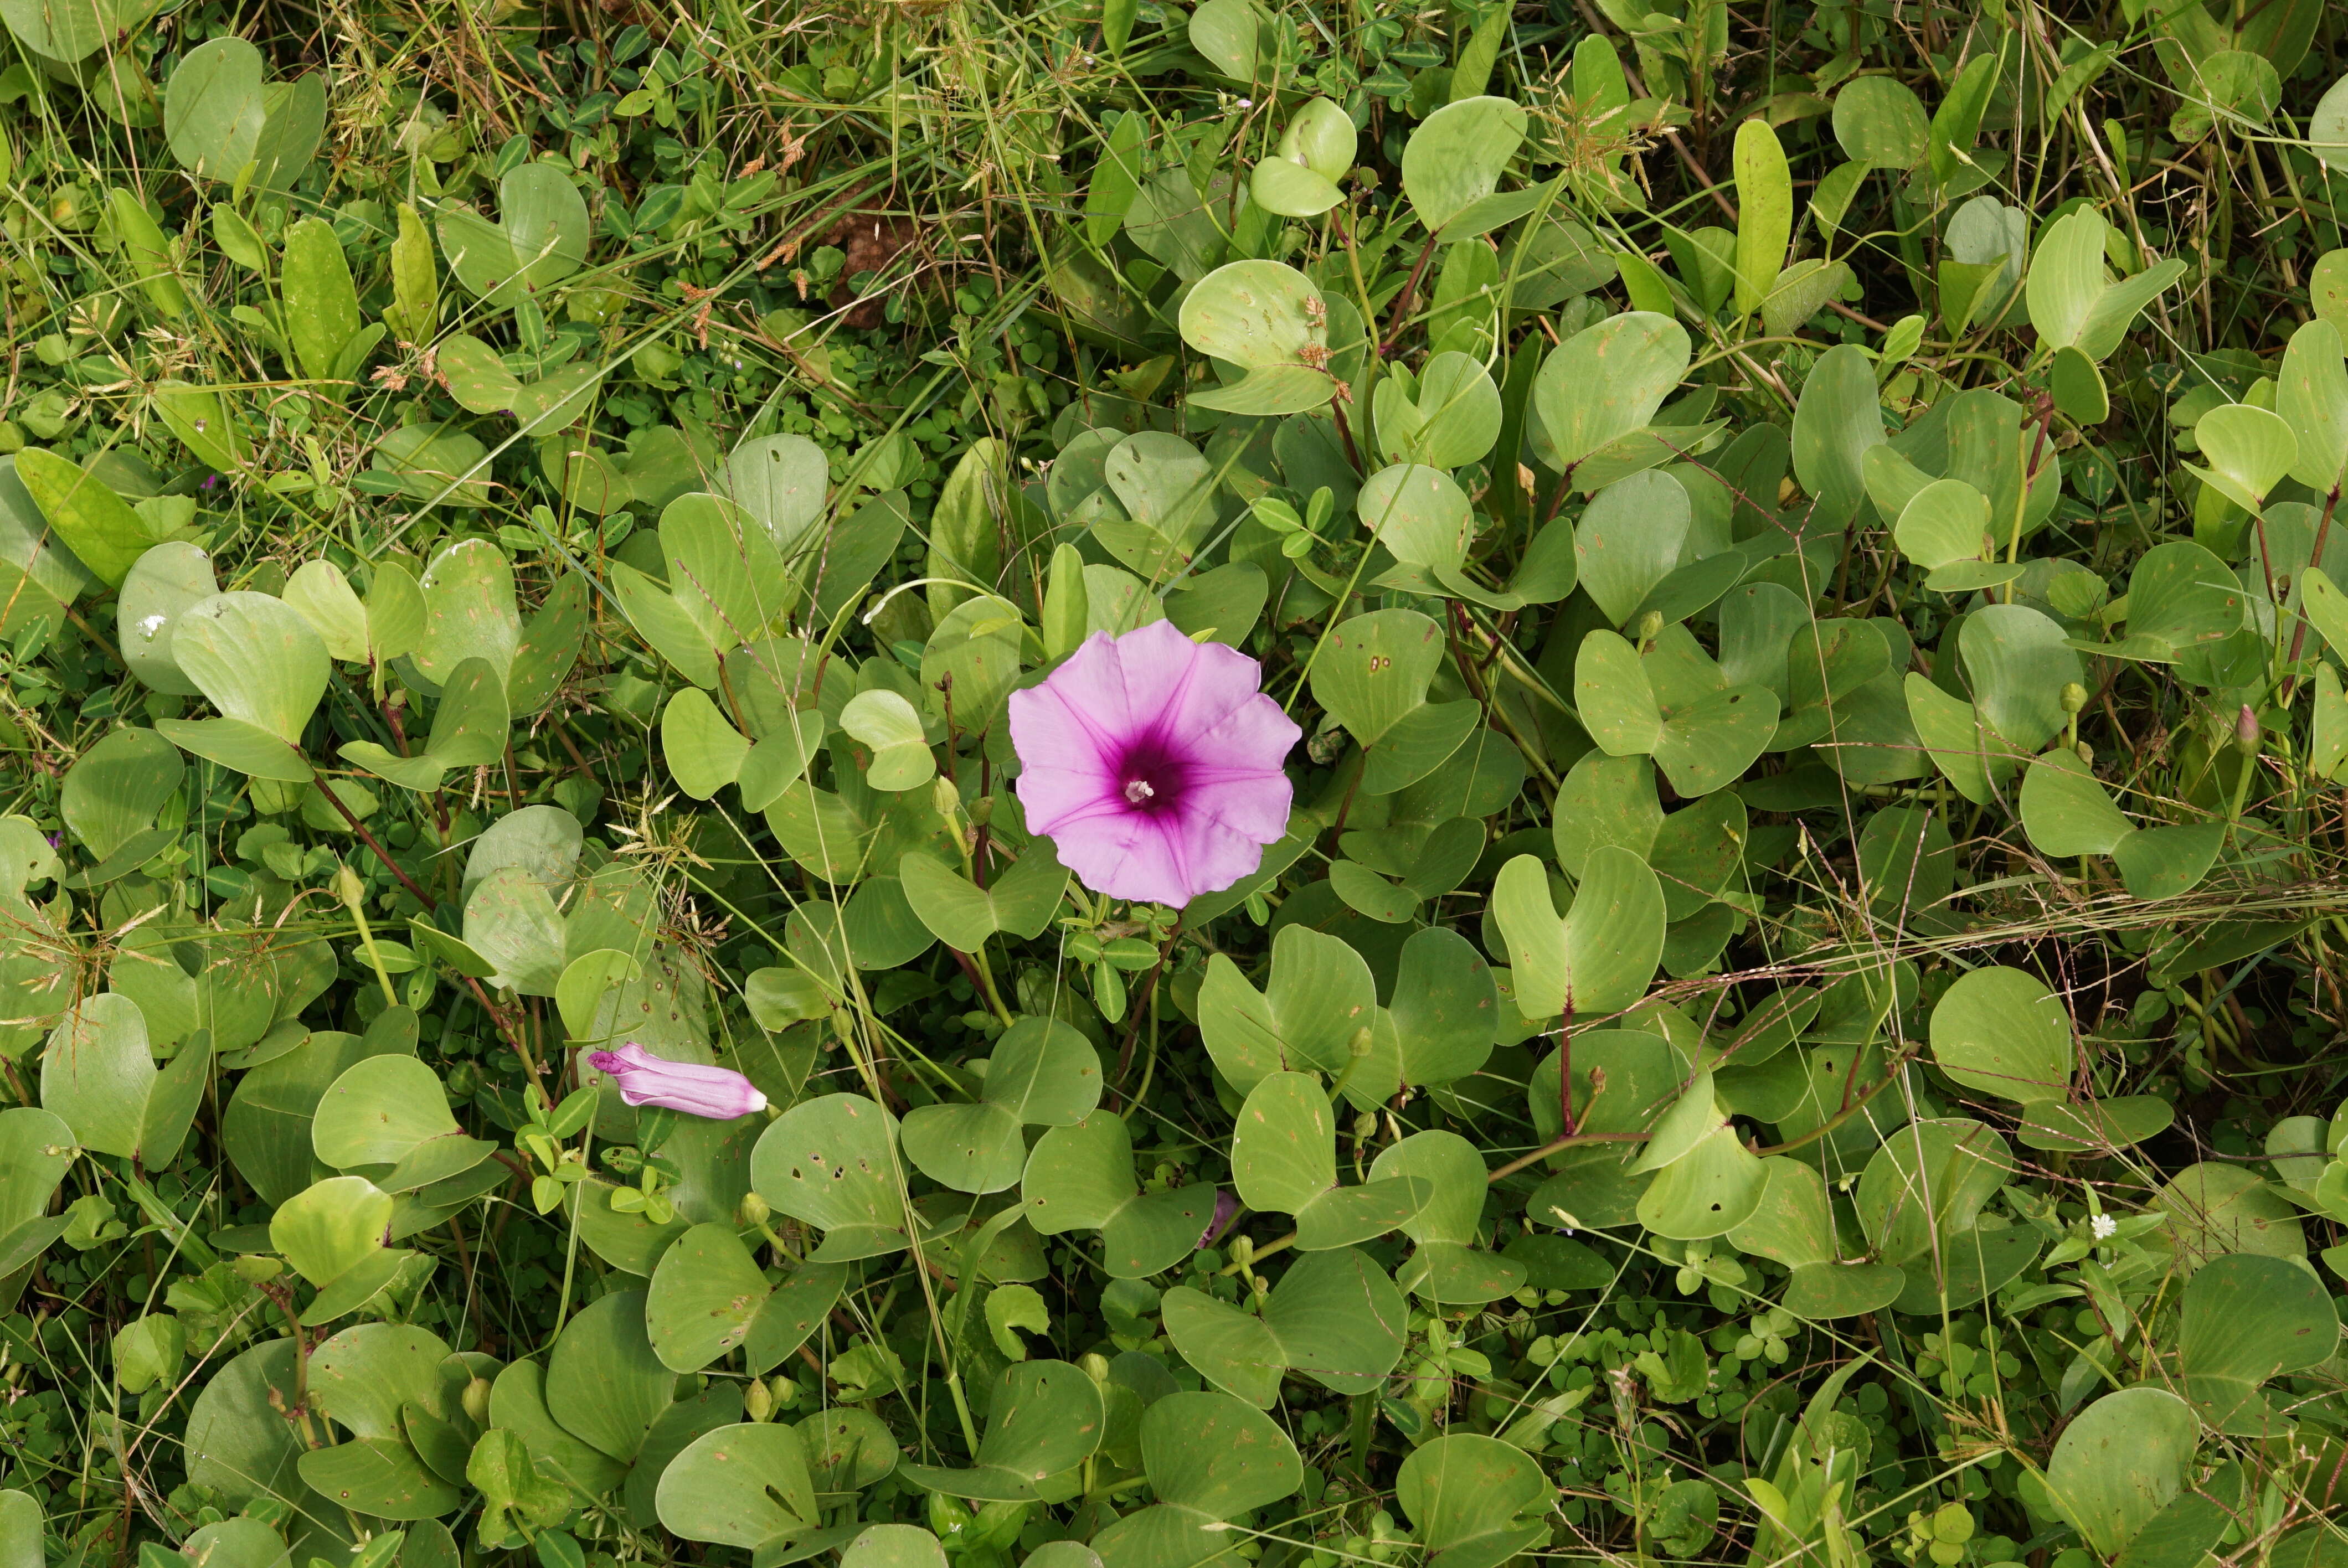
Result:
x=1598 y=957
x=331 y=1227
x=1082 y=1178
x=539 y=238
x=1454 y=157
x=830 y=1161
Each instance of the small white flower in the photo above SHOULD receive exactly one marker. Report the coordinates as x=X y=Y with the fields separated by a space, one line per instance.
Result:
x=2104 y=1226
x=1247 y=103
x=149 y=625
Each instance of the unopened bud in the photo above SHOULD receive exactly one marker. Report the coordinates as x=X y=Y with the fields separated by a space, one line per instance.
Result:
x=2246 y=731
x=1365 y=1127
x=757 y=1402
x=476 y=1402
x=752 y=1210
x=1242 y=1251
x=1650 y=626
x=1096 y=1366
x=982 y=810
x=944 y=798
x=2074 y=696
x=1359 y=1046
x=348 y=887
x=787 y=1393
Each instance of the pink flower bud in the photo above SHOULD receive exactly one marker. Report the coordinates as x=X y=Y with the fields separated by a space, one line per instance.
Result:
x=718 y=1093
x=1227 y=1206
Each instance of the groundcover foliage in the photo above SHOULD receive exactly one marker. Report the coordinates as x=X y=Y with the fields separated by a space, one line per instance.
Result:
x=1793 y=1015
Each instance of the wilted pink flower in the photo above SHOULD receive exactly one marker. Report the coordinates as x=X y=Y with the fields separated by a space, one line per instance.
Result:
x=1227 y=1205
x=1152 y=763
x=717 y=1093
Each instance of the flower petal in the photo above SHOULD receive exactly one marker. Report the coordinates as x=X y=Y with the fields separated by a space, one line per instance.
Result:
x=1254 y=808
x=1117 y=687
x=1223 y=682
x=1128 y=854
x=1066 y=772
x=1252 y=733
x=1161 y=668
x=1219 y=851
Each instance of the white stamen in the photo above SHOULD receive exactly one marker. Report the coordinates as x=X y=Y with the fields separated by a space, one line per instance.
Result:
x=1138 y=790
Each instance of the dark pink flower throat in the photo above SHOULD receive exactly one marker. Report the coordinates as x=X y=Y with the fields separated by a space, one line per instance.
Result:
x=1151 y=774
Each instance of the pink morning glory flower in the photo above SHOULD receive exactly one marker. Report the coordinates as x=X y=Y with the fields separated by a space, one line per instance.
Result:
x=1152 y=763
x=717 y=1093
